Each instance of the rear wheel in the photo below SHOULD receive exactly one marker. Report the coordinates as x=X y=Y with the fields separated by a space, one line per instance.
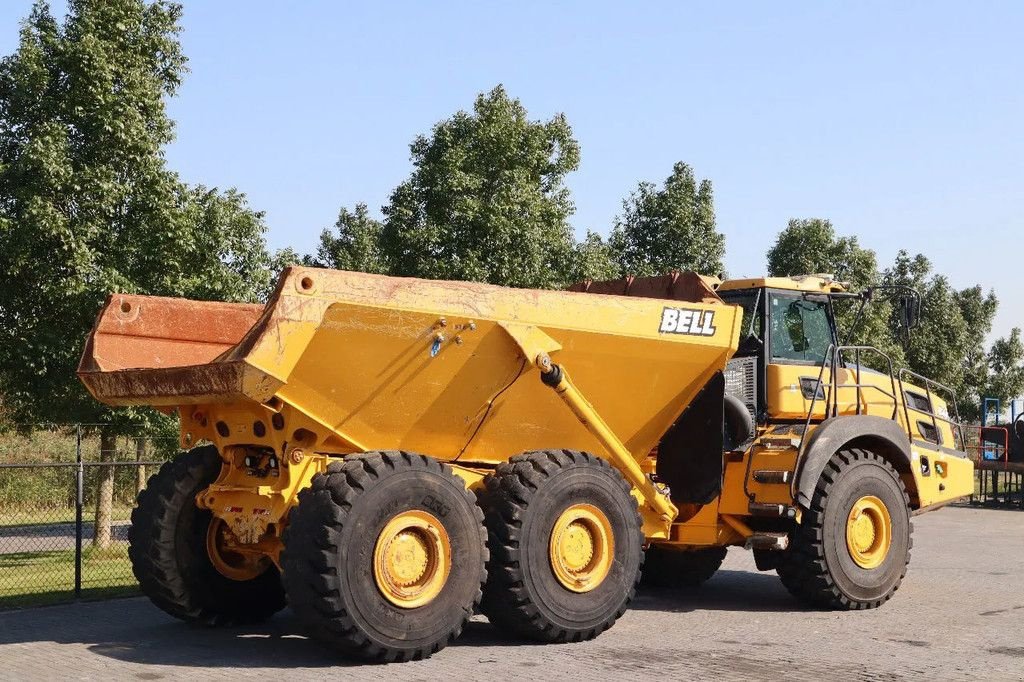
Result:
x=384 y=556
x=566 y=546
x=184 y=557
x=852 y=548
x=668 y=567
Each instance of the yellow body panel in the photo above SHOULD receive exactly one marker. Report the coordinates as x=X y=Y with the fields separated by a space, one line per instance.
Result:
x=706 y=528
x=739 y=479
x=370 y=362
x=951 y=477
x=787 y=401
x=388 y=363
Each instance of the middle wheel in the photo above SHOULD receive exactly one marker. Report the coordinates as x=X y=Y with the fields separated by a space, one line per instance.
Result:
x=384 y=556
x=675 y=568
x=566 y=546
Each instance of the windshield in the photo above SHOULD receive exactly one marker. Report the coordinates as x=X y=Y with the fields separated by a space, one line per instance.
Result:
x=748 y=300
x=800 y=329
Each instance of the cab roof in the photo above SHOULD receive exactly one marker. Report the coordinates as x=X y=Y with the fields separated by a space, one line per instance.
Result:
x=819 y=283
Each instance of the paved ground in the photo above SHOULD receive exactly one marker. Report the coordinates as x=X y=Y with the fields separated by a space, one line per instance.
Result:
x=958 y=616
x=51 y=536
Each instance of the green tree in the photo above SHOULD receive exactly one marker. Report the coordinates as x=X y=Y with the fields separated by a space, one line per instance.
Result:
x=948 y=344
x=671 y=228
x=812 y=246
x=1005 y=365
x=486 y=199
x=218 y=254
x=593 y=259
x=88 y=206
x=357 y=245
x=279 y=260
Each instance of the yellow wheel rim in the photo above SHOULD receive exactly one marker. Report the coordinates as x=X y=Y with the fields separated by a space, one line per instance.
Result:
x=412 y=559
x=869 y=532
x=231 y=559
x=582 y=546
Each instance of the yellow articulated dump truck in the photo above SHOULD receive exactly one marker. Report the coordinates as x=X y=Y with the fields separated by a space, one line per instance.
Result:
x=390 y=455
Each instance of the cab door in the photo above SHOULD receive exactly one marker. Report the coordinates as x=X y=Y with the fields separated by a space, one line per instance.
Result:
x=800 y=330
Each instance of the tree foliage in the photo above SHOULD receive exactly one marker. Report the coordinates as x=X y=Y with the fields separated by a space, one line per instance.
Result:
x=486 y=199
x=87 y=204
x=1005 y=368
x=356 y=246
x=812 y=246
x=669 y=228
x=593 y=259
x=948 y=343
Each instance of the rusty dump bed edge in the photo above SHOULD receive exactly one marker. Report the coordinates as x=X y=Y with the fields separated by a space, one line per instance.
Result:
x=675 y=286
x=146 y=348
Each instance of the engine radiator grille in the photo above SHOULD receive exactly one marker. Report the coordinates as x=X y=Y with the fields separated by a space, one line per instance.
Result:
x=741 y=382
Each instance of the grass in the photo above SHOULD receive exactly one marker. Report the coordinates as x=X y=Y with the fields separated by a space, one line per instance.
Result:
x=42 y=495
x=37 y=578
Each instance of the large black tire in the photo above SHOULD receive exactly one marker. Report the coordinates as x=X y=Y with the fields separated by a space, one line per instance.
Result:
x=167 y=548
x=523 y=499
x=667 y=567
x=818 y=567
x=328 y=556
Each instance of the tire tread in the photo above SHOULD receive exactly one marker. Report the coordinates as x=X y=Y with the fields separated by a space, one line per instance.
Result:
x=507 y=494
x=312 y=541
x=803 y=569
x=154 y=556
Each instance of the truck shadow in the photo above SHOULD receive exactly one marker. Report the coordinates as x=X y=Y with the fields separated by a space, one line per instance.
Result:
x=727 y=591
x=133 y=631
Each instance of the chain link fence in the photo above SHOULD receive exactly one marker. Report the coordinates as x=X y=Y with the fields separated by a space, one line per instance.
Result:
x=65 y=508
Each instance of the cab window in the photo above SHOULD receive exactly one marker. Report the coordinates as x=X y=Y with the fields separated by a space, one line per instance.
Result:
x=747 y=300
x=801 y=329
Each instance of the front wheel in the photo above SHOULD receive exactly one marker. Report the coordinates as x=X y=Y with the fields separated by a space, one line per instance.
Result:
x=852 y=548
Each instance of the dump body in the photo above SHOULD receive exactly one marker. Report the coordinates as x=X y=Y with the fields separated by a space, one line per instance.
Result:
x=370 y=362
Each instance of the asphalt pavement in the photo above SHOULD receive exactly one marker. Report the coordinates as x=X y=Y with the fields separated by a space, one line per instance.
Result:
x=958 y=616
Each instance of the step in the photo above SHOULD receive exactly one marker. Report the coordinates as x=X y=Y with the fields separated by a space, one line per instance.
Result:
x=773 y=542
x=776 y=443
x=773 y=476
x=772 y=509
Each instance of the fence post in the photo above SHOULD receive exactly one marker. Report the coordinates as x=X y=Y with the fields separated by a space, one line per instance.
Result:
x=79 y=504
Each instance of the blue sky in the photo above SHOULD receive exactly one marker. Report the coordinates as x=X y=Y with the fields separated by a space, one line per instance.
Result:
x=900 y=122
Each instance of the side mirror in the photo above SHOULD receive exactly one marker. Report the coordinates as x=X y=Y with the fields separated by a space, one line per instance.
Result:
x=910 y=311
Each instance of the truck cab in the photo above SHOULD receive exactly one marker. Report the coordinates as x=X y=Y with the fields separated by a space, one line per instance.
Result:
x=791 y=372
x=827 y=449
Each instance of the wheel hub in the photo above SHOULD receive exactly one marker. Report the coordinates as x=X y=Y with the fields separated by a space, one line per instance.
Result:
x=581 y=547
x=230 y=558
x=412 y=559
x=868 y=532
x=407 y=557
